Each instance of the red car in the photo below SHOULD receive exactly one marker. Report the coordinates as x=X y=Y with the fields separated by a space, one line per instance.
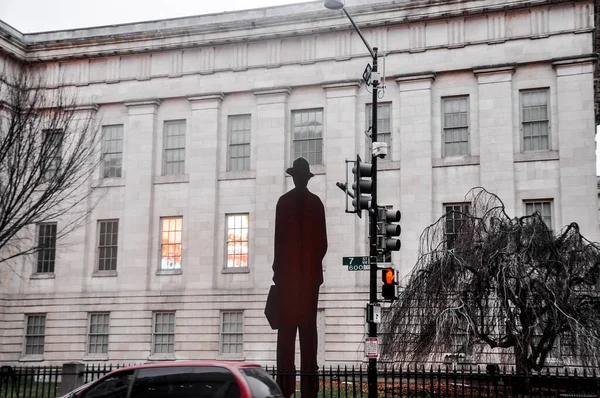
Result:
x=203 y=379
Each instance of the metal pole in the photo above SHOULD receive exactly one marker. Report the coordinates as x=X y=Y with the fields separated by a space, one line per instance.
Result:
x=372 y=369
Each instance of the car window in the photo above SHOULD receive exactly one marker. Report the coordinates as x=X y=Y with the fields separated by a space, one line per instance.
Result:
x=185 y=382
x=261 y=384
x=114 y=386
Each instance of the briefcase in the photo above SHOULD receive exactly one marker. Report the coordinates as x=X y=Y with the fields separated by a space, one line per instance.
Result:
x=272 y=308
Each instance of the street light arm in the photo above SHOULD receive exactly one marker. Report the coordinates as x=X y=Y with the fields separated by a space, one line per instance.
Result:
x=359 y=33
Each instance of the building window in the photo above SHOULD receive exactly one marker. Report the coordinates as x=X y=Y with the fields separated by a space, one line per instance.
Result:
x=384 y=126
x=237 y=240
x=163 y=335
x=456 y=214
x=174 y=147
x=232 y=332
x=46 y=254
x=170 y=243
x=112 y=151
x=239 y=143
x=455 y=124
x=98 y=334
x=307 y=131
x=35 y=334
x=535 y=121
x=108 y=237
x=544 y=207
x=51 y=153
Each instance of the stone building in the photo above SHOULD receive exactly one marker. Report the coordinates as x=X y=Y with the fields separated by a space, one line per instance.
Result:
x=201 y=116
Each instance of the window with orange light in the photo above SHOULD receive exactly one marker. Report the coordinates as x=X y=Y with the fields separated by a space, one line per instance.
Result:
x=170 y=242
x=237 y=240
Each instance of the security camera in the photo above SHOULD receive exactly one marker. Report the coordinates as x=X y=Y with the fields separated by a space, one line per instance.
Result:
x=380 y=149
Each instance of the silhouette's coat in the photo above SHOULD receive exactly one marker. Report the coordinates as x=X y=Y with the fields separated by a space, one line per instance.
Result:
x=300 y=245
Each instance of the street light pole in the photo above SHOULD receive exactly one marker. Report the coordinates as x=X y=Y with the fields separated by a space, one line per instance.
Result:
x=372 y=368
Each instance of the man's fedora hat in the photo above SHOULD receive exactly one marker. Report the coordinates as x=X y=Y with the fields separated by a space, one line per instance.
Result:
x=300 y=168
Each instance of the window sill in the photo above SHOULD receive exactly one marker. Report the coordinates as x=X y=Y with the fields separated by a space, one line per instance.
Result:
x=456 y=161
x=110 y=182
x=171 y=179
x=162 y=357
x=32 y=358
x=238 y=270
x=104 y=274
x=49 y=275
x=535 y=156
x=169 y=272
x=238 y=175
x=95 y=357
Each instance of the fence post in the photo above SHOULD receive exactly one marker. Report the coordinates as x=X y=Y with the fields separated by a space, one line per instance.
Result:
x=72 y=376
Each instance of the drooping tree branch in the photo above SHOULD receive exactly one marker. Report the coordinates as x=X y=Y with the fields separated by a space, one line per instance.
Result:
x=505 y=283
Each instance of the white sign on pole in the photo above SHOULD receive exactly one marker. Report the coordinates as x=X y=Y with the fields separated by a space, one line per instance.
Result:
x=372 y=347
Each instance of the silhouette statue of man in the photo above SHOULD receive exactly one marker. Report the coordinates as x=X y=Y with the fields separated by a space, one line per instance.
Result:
x=300 y=245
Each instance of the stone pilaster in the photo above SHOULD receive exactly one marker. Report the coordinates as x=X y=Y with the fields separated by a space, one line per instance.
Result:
x=496 y=136
x=576 y=131
x=272 y=137
x=345 y=232
x=138 y=225
x=415 y=164
x=204 y=132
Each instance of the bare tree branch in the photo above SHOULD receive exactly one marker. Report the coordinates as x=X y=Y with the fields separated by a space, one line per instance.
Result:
x=48 y=153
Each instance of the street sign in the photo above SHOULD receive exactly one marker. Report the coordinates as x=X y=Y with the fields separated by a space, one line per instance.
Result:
x=363 y=260
x=367 y=74
x=372 y=347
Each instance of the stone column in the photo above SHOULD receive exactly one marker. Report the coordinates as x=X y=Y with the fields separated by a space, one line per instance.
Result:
x=138 y=223
x=416 y=173
x=271 y=159
x=203 y=163
x=576 y=131
x=496 y=135
x=345 y=232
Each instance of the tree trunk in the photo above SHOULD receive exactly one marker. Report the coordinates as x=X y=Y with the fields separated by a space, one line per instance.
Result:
x=522 y=382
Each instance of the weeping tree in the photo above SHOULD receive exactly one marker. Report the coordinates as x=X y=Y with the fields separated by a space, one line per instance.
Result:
x=499 y=282
x=48 y=153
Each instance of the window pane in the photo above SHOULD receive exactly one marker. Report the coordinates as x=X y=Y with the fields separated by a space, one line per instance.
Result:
x=174 y=147
x=237 y=240
x=232 y=336
x=455 y=126
x=112 y=151
x=171 y=243
x=46 y=247
x=164 y=333
x=307 y=126
x=35 y=334
x=107 y=245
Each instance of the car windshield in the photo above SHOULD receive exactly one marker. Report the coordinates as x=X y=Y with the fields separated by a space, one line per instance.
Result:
x=261 y=384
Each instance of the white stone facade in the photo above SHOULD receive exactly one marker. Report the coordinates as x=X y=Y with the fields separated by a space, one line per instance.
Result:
x=268 y=63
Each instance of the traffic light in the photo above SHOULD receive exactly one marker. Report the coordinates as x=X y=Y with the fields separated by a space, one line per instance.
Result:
x=389 y=290
x=388 y=231
x=362 y=185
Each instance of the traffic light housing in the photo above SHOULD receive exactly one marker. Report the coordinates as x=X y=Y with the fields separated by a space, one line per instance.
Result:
x=362 y=185
x=387 y=230
x=389 y=290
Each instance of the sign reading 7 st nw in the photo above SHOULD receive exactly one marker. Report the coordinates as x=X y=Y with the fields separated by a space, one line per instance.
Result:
x=353 y=261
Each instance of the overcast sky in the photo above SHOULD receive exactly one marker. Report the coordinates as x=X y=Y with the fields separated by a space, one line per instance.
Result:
x=43 y=15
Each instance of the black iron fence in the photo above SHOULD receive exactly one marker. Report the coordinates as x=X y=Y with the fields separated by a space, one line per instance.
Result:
x=351 y=381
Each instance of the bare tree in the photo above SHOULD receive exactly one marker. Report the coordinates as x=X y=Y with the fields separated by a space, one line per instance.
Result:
x=510 y=284
x=48 y=152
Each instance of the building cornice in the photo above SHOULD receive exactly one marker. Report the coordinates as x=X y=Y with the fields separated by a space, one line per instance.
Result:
x=237 y=27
